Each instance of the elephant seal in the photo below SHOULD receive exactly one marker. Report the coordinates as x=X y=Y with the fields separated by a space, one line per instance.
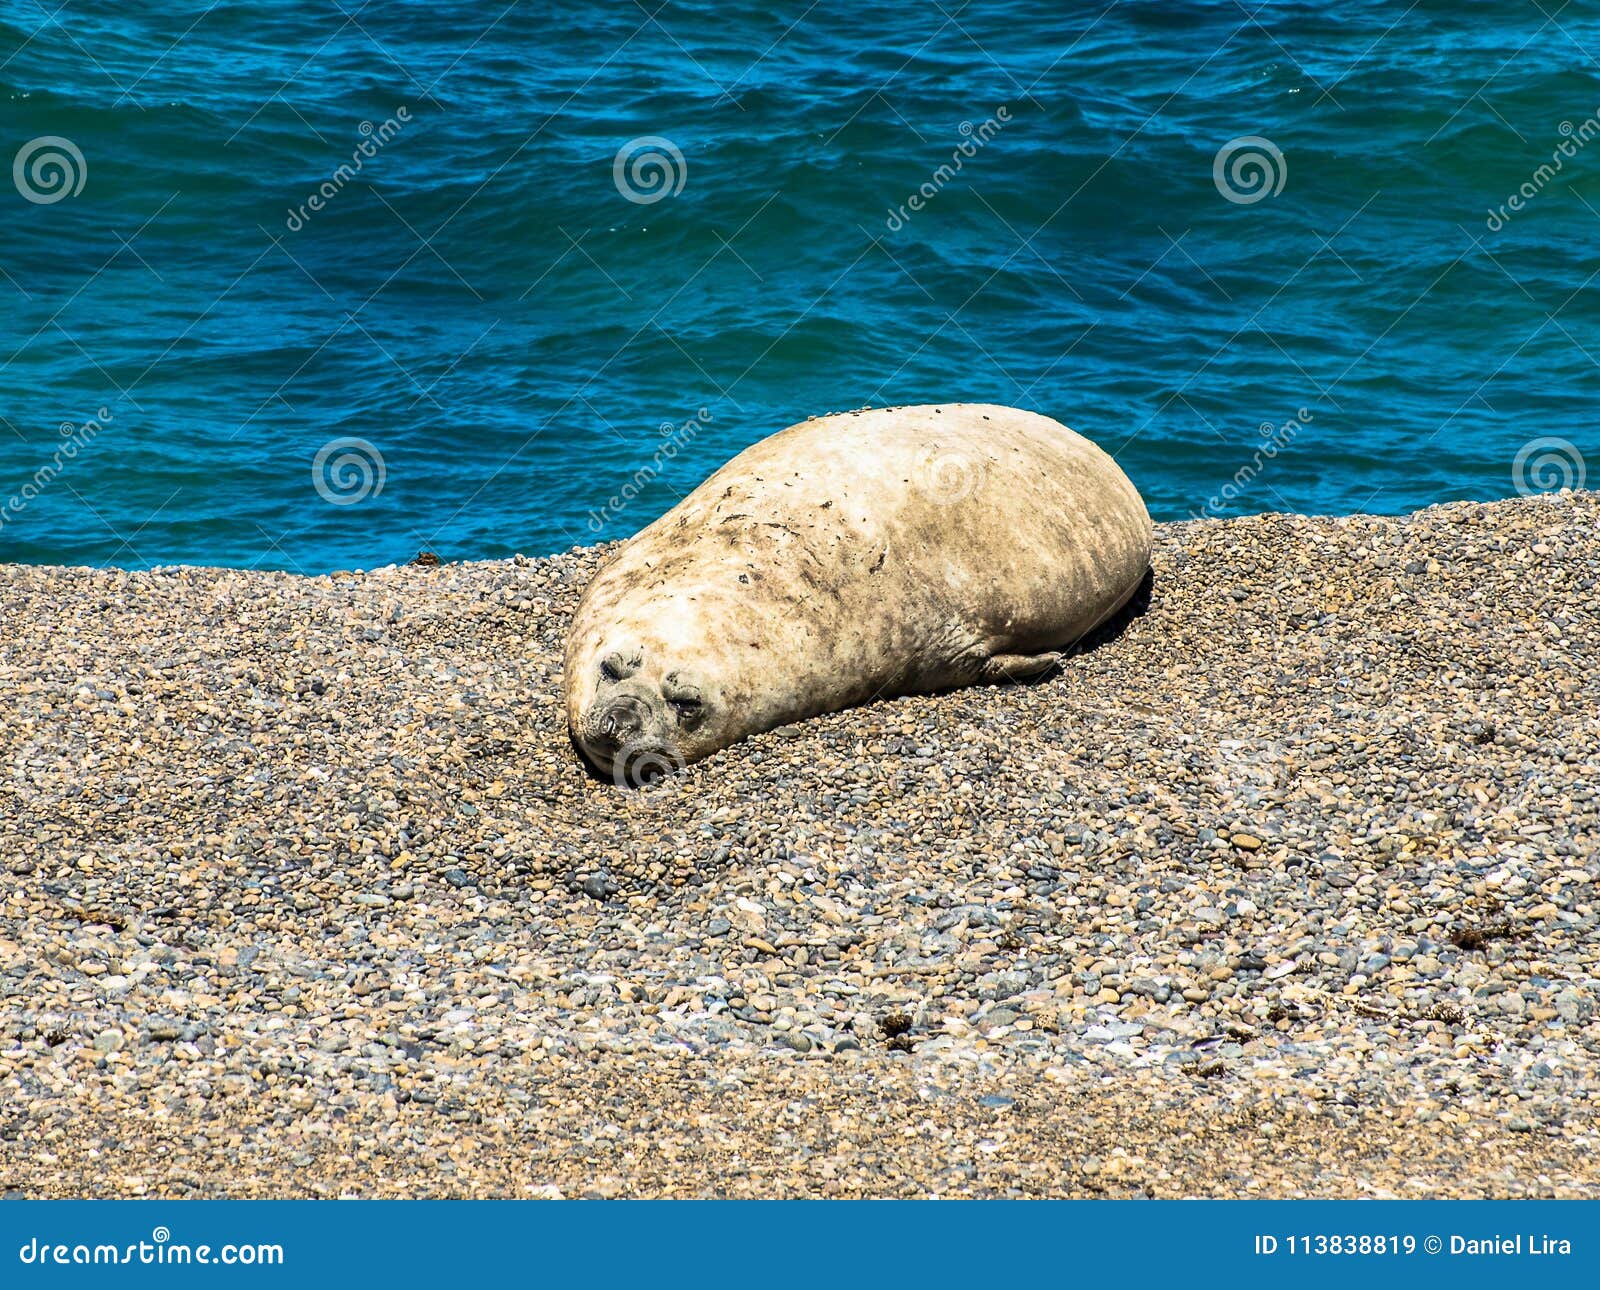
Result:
x=863 y=555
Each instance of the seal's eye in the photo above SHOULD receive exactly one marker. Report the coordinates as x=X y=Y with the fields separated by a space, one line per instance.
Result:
x=688 y=711
x=613 y=667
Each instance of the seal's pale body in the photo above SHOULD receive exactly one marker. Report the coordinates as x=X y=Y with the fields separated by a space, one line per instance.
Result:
x=850 y=557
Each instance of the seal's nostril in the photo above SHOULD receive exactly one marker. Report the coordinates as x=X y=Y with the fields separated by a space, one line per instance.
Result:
x=619 y=723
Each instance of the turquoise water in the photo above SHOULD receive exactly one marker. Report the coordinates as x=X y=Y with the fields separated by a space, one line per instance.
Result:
x=537 y=346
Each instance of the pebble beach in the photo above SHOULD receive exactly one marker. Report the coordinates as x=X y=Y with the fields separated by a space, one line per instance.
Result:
x=1286 y=887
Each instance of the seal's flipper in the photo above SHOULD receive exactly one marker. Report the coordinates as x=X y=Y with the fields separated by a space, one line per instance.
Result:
x=1019 y=667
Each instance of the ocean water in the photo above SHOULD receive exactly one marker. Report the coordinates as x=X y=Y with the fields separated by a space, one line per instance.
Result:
x=312 y=285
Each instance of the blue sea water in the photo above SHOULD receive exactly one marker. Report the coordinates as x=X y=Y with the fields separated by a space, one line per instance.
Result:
x=316 y=284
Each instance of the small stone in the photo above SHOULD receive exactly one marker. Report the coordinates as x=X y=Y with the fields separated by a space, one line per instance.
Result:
x=1572 y=1005
x=895 y=1024
x=1111 y=1031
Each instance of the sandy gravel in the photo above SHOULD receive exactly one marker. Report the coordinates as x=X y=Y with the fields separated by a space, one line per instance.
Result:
x=1287 y=888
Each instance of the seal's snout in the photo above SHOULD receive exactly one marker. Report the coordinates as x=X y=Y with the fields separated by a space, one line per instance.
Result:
x=617 y=728
x=622 y=741
x=620 y=722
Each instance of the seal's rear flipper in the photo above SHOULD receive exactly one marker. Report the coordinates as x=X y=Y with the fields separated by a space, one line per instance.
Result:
x=1018 y=667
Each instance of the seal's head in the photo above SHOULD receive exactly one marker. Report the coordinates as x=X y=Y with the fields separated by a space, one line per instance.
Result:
x=637 y=710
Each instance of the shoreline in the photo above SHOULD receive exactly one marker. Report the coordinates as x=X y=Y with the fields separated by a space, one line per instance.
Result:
x=584 y=552
x=1286 y=889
